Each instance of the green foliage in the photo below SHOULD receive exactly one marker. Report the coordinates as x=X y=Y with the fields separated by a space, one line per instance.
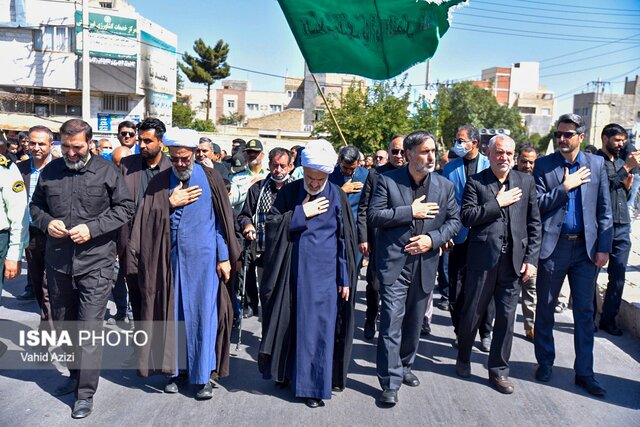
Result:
x=203 y=125
x=179 y=83
x=209 y=65
x=368 y=117
x=233 y=119
x=463 y=103
x=182 y=115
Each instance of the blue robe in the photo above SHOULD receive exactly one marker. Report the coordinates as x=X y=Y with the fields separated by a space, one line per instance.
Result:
x=318 y=268
x=194 y=256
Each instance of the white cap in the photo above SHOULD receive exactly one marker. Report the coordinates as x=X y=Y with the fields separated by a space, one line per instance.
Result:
x=176 y=137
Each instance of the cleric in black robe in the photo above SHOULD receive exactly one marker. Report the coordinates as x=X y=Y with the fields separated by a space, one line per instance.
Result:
x=310 y=264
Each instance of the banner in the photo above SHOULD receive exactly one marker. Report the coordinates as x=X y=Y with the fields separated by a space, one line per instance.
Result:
x=377 y=39
x=113 y=39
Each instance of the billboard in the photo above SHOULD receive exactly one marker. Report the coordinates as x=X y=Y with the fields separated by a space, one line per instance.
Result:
x=113 y=39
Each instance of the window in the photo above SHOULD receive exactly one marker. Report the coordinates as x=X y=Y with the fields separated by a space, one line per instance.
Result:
x=253 y=107
x=527 y=110
x=290 y=93
x=106 y=5
x=231 y=103
x=56 y=39
x=275 y=108
x=115 y=103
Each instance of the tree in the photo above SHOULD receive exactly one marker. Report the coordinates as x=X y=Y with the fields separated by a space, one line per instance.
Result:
x=179 y=83
x=182 y=115
x=233 y=119
x=368 y=117
x=202 y=125
x=210 y=65
x=463 y=103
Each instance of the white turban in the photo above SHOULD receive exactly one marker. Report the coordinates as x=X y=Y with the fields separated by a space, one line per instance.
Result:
x=176 y=137
x=319 y=155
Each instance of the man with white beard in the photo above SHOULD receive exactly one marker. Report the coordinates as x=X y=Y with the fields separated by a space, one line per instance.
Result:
x=183 y=280
x=415 y=212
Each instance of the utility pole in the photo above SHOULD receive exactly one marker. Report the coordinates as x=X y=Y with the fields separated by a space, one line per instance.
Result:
x=86 y=86
x=594 y=131
x=426 y=85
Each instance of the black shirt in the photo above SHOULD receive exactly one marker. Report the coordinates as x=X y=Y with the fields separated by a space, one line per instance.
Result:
x=470 y=166
x=619 y=194
x=419 y=190
x=148 y=172
x=95 y=196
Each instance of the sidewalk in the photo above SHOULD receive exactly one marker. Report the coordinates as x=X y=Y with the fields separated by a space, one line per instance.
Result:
x=629 y=317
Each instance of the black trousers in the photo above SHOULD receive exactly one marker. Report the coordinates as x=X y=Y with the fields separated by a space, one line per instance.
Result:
x=80 y=302
x=502 y=285
x=373 y=288
x=457 y=278
x=404 y=303
x=36 y=277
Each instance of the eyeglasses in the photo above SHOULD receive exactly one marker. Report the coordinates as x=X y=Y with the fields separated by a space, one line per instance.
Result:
x=378 y=157
x=178 y=160
x=396 y=151
x=460 y=141
x=567 y=135
x=127 y=134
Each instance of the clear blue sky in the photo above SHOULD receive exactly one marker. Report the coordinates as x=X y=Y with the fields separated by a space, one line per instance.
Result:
x=575 y=41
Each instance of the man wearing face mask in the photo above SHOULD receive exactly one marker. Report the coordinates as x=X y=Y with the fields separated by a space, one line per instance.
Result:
x=106 y=148
x=415 y=212
x=366 y=232
x=500 y=207
x=469 y=162
x=252 y=220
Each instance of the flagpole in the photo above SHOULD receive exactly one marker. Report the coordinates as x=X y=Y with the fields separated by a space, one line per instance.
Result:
x=344 y=141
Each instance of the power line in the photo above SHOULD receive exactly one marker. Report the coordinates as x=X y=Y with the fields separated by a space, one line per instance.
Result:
x=531 y=36
x=581 y=25
x=577 y=10
x=578 y=5
x=584 y=21
x=588 y=48
x=537 y=32
x=599 y=55
x=589 y=68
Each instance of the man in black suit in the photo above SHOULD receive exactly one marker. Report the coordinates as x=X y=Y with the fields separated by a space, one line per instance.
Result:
x=500 y=207
x=366 y=233
x=415 y=212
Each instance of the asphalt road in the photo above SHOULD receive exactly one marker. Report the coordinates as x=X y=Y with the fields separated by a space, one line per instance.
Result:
x=245 y=398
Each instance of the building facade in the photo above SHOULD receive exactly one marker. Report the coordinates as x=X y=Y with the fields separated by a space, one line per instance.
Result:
x=519 y=87
x=132 y=63
x=600 y=108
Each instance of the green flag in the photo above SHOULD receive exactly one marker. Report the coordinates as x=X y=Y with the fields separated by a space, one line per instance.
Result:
x=378 y=39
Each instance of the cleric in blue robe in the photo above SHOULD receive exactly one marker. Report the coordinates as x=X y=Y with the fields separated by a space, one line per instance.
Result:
x=190 y=228
x=310 y=275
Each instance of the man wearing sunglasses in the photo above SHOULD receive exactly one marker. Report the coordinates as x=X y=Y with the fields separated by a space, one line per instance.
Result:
x=577 y=233
x=469 y=162
x=366 y=233
x=127 y=135
x=381 y=158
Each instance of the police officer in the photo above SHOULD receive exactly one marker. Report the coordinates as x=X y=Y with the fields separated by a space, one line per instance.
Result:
x=14 y=223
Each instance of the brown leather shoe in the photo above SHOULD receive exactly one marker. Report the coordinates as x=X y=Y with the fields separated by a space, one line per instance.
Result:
x=502 y=383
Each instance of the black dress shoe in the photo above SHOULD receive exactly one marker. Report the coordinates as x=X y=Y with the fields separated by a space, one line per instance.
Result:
x=502 y=383
x=611 y=329
x=174 y=383
x=591 y=385
x=389 y=396
x=463 y=369
x=69 y=386
x=543 y=373
x=314 y=403
x=485 y=344
x=27 y=295
x=247 y=313
x=369 y=330
x=443 y=304
x=82 y=408
x=425 y=330
x=206 y=392
x=410 y=379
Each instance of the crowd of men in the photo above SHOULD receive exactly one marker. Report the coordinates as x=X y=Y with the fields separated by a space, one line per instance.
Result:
x=188 y=242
